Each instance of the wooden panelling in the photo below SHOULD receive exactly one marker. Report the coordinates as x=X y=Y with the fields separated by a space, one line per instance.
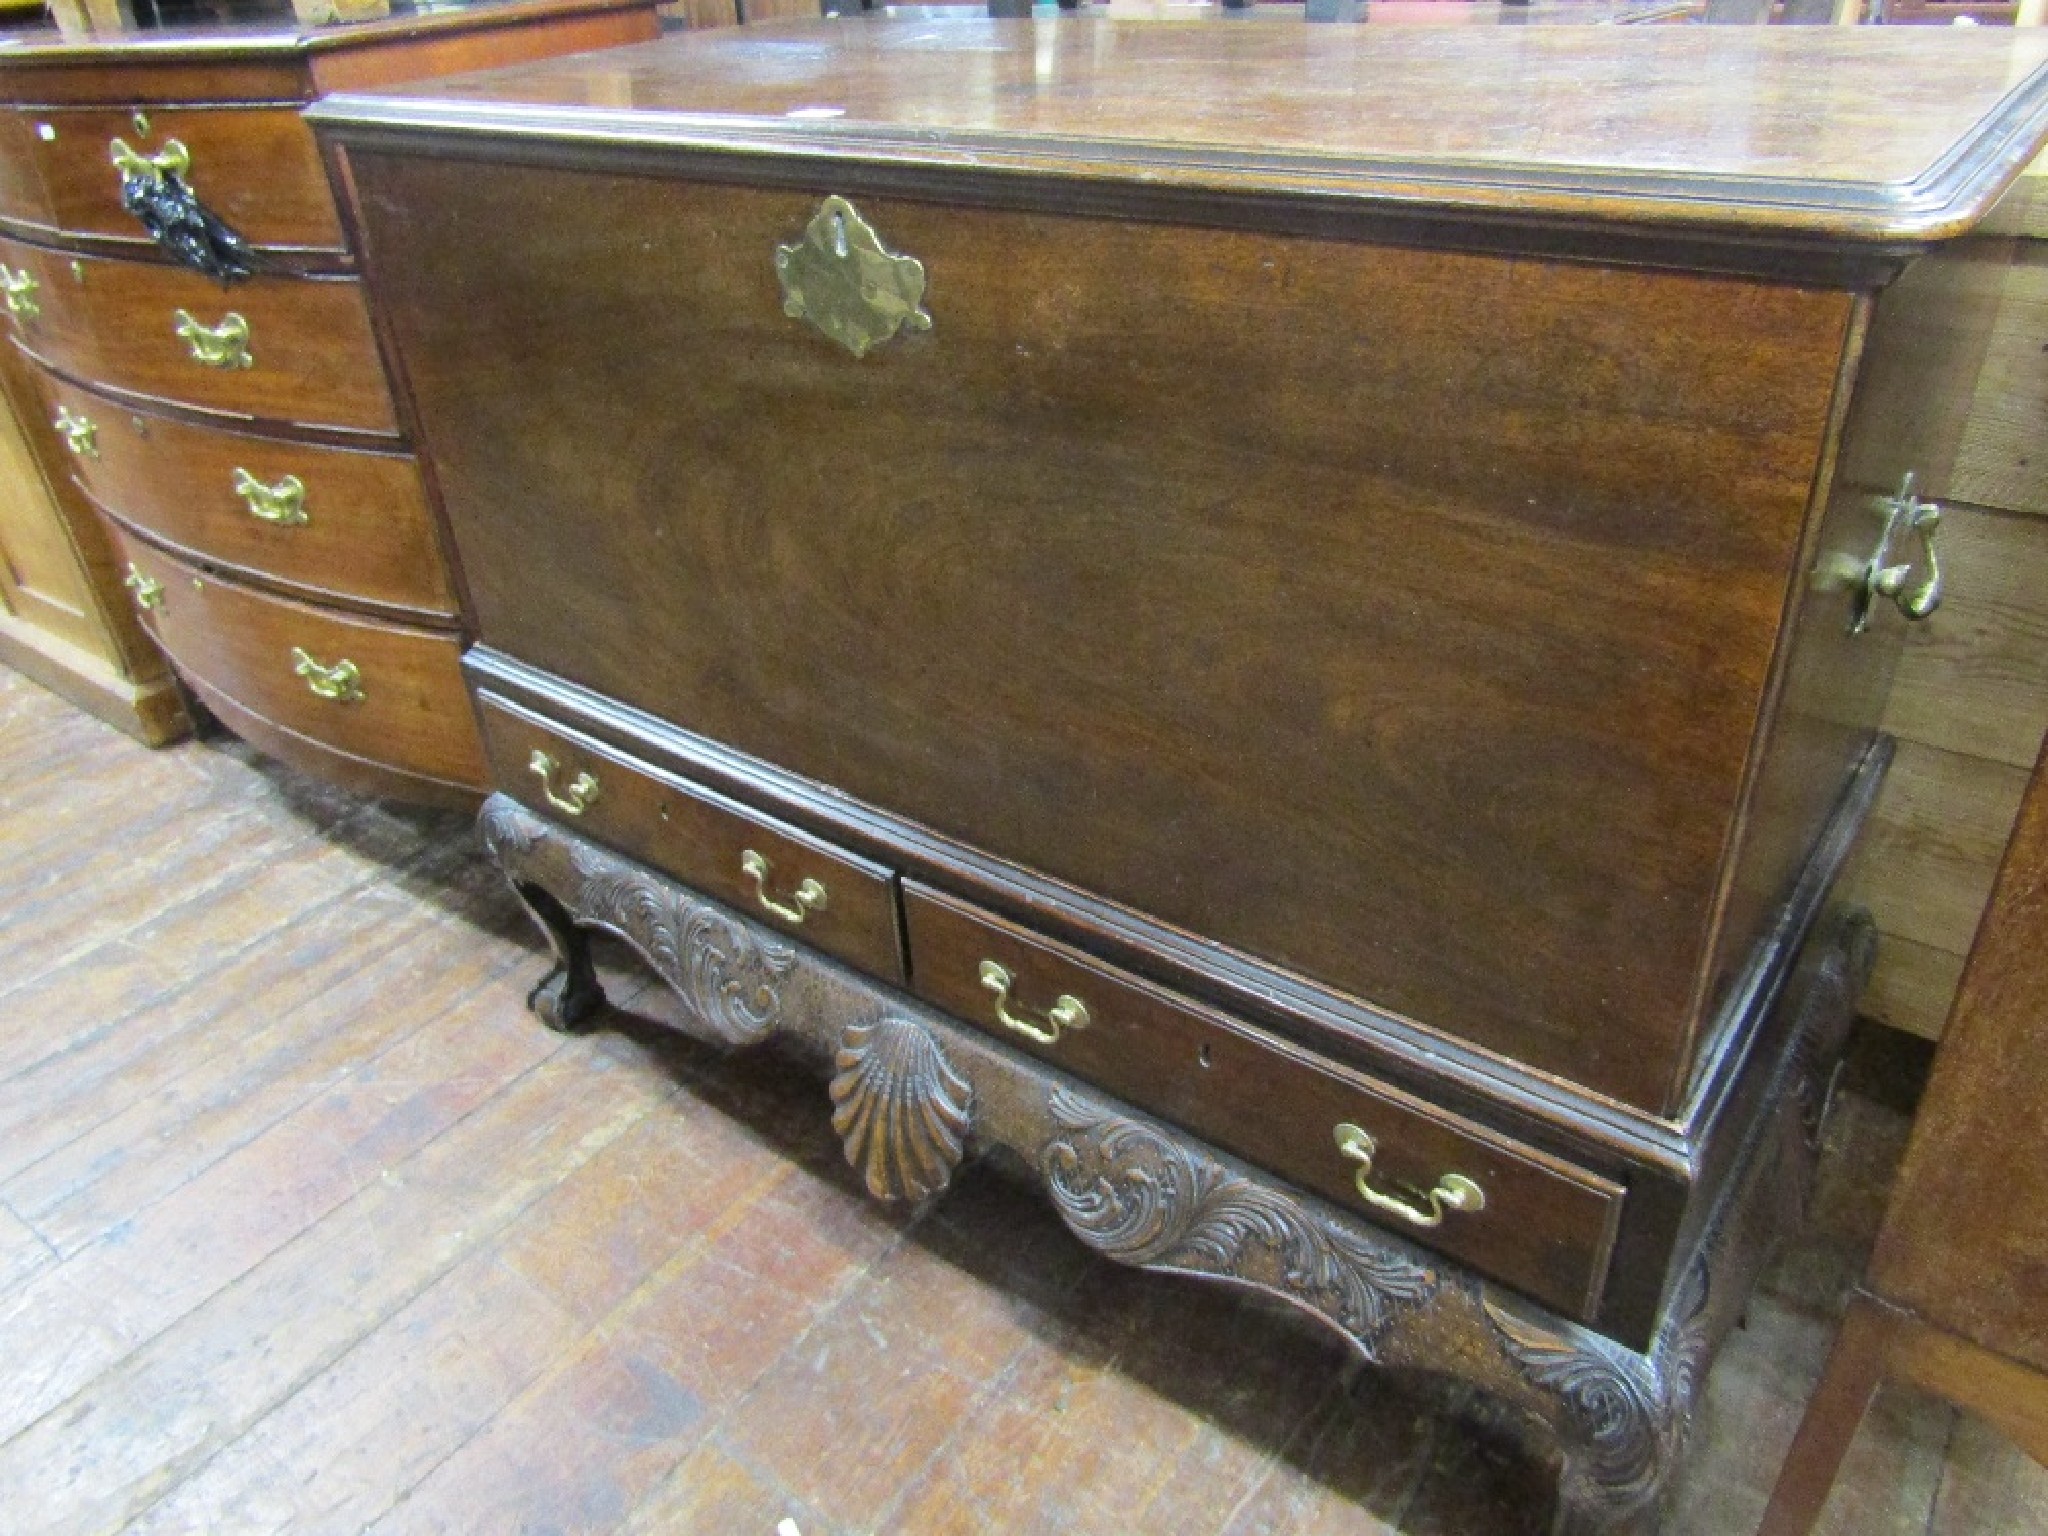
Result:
x=1913 y=985
x=2004 y=455
x=313 y=358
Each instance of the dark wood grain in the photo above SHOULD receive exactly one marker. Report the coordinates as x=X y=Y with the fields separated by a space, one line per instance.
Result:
x=367 y=537
x=1400 y=620
x=702 y=837
x=1547 y=1227
x=238 y=642
x=115 y=323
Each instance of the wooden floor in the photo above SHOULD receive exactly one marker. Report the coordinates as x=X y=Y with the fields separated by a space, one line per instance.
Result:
x=306 y=1225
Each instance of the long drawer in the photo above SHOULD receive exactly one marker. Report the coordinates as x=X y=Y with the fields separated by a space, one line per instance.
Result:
x=1531 y=1220
x=295 y=350
x=834 y=901
x=335 y=522
x=255 y=168
x=386 y=693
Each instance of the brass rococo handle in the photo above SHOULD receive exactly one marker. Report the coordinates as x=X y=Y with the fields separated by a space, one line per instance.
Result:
x=809 y=896
x=1453 y=1192
x=1880 y=576
x=217 y=346
x=19 y=289
x=573 y=801
x=149 y=592
x=174 y=159
x=1067 y=1011
x=283 y=503
x=341 y=682
x=79 y=432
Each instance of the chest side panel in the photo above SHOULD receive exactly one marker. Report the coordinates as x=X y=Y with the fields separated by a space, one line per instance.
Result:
x=1396 y=617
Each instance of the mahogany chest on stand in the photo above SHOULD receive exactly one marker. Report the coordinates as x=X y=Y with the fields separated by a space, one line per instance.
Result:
x=1286 y=623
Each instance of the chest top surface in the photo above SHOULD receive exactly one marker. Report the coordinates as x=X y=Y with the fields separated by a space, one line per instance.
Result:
x=1862 y=135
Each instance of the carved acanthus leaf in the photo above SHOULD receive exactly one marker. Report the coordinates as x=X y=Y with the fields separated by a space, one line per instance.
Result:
x=901 y=1109
x=1135 y=1194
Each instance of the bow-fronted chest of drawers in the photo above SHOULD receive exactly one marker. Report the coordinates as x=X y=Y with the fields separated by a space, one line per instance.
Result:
x=177 y=270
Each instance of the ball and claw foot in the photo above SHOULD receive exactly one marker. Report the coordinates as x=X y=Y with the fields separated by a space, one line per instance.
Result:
x=566 y=998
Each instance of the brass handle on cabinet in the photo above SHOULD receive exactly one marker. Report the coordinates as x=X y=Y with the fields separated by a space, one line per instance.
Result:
x=217 y=346
x=576 y=799
x=1067 y=1011
x=78 y=432
x=809 y=894
x=1453 y=1192
x=19 y=290
x=342 y=682
x=174 y=159
x=1904 y=513
x=149 y=592
x=283 y=503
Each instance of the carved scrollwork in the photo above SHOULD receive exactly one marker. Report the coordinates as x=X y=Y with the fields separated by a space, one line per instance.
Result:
x=510 y=832
x=1616 y=1415
x=901 y=1109
x=1136 y=1195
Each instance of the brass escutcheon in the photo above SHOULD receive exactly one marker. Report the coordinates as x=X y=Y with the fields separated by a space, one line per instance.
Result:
x=19 y=290
x=1067 y=1011
x=149 y=592
x=573 y=801
x=808 y=897
x=283 y=503
x=1453 y=1192
x=843 y=280
x=341 y=682
x=80 y=435
x=216 y=346
x=174 y=159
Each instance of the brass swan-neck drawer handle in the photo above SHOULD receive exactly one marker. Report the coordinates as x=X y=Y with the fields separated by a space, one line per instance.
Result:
x=573 y=801
x=283 y=503
x=809 y=896
x=1453 y=1192
x=217 y=346
x=174 y=159
x=19 y=290
x=1883 y=574
x=1067 y=1011
x=78 y=432
x=149 y=592
x=341 y=682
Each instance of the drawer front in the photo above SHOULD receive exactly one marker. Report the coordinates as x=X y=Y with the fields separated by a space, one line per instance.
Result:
x=1538 y=1223
x=1401 y=619
x=336 y=521
x=774 y=873
x=21 y=189
x=385 y=693
x=256 y=169
x=306 y=355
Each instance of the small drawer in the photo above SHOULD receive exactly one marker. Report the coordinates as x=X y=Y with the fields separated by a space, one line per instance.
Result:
x=335 y=522
x=774 y=873
x=295 y=350
x=385 y=693
x=256 y=169
x=1530 y=1220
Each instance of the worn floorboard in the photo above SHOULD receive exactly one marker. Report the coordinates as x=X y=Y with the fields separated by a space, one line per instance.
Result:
x=307 y=1226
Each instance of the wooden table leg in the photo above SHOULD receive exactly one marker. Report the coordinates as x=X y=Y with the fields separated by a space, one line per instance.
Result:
x=1856 y=1365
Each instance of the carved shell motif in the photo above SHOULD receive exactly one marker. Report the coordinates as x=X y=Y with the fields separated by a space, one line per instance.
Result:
x=901 y=1109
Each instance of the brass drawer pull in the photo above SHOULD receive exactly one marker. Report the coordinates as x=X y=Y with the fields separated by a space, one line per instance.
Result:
x=283 y=503
x=1453 y=1192
x=217 y=346
x=576 y=799
x=809 y=894
x=174 y=159
x=149 y=592
x=19 y=290
x=1067 y=1011
x=78 y=432
x=342 y=682
x=1904 y=513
